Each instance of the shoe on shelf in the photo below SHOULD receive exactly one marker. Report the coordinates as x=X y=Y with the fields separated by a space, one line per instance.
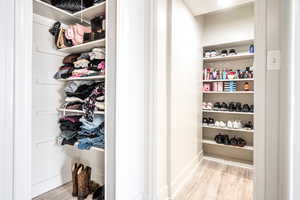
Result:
x=222 y=124
x=249 y=125
x=209 y=106
x=246 y=108
x=232 y=52
x=241 y=142
x=232 y=107
x=83 y=182
x=217 y=124
x=229 y=124
x=217 y=106
x=224 y=106
x=219 y=138
x=211 y=121
x=234 y=141
x=238 y=107
x=252 y=108
x=226 y=140
x=204 y=105
x=205 y=121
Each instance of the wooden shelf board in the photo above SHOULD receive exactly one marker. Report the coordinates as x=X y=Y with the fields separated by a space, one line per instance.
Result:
x=236 y=92
x=228 y=129
x=228 y=112
x=211 y=142
x=245 y=79
x=85 y=47
x=79 y=111
x=229 y=44
x=91 y=12
x=229 y=161
x=100 y=77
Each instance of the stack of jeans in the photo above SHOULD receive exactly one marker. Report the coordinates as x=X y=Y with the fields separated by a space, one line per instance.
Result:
x=69 y=126
x=91 y=133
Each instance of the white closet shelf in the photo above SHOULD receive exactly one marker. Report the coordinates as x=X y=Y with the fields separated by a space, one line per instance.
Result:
x=47 y=10
x=227 y=80
x=236 y=92
x=229 y=161
x=228 y=129
x=229 y=44
x=91 y=12
x=100 y=77
x=234 y=57
x=92 y=148
x=85 y=47
x=78 y=111
x=211 y=142
x=228 y=112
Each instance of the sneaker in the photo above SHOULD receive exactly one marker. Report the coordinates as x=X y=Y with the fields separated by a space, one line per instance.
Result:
x=217 y=124
x=209 y=106
x=229 y=124
x=226 y=140
x=224 y=106
x=217 y=106
x=222 y=124
x=246 y=108
x=219 y=138
x=205 y=121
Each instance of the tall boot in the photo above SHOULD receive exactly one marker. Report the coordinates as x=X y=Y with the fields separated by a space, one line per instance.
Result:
x=75 y=169
x=83 y=183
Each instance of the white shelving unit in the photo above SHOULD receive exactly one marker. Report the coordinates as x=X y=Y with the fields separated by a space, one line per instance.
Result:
x=228 y=154
x=100 y=77
x=85 y=47
x=228 y=129
x=227 y=112
x=228 y=80
x=211 y=142
x=233 y=57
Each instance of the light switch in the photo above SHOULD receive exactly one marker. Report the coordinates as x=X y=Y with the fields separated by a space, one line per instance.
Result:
x=274 y=60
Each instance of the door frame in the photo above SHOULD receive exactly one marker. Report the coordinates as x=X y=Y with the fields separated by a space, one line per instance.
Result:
x=260 y=155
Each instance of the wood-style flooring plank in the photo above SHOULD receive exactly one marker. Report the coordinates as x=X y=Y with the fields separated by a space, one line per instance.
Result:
x=215 y=181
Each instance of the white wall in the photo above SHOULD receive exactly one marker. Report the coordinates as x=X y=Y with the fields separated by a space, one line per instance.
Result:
x=232 y=24
x=185 y=98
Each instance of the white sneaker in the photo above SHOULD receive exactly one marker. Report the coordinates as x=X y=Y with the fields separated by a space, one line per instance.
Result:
x=217 y=124
x=222 y=124
x=209 y=106
x=229 y=124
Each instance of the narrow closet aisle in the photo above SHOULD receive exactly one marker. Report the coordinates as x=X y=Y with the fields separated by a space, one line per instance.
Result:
x=212 y=100
x=71 y=77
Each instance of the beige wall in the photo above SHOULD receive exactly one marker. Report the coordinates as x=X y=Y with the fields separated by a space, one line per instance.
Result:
x=225 y=26
x=185 y=101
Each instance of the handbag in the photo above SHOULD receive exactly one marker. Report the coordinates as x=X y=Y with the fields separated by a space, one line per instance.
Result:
x=62 y=41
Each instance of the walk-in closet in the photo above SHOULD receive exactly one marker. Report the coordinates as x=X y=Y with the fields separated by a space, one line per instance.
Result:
x=212 y=100
x=72 y=93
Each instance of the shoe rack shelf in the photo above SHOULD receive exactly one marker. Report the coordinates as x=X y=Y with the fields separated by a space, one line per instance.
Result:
x=47 y=10
x=85 y=47
x=236 y=92
x=92 y=148
x=228 y=129
x=79 y=111
x=234 y=57
x=100 y=77
x=229 y=154
x=227 y=112
x=211 y=142
x=245 y=79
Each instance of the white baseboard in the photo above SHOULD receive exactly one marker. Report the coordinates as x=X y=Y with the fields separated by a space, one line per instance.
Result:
x=47 y=185
x=186 y=175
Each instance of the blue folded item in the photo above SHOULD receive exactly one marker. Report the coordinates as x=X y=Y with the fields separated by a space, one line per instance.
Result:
x=87 y=125
x=87 y=143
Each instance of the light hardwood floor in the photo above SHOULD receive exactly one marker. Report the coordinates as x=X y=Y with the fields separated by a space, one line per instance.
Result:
x=215 y=181
x=62 y=193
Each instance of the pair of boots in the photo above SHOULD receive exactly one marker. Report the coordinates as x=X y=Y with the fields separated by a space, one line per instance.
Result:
x=82 y=184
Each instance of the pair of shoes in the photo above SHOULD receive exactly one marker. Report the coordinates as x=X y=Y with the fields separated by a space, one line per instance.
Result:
x=207 y=106
x=220 y=124
x=221 y=107
x=82 y=184
x=208 y=121
x=234 y=141
x=99 y=194
x=236 y=124
x=248 y=125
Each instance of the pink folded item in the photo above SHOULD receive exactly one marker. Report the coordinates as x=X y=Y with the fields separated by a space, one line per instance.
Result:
x=76 y=33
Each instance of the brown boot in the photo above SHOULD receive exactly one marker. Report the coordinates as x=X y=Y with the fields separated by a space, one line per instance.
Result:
x=75 y=169
x=83 y=182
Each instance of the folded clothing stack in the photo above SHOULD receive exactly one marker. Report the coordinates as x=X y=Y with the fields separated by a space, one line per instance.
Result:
x=86 y=133
x=85 y=95
x=83 y=65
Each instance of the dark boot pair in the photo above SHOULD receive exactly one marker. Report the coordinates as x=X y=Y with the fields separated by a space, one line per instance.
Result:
x=82 y=184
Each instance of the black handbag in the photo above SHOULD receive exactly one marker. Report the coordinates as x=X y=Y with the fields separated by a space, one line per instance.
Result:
x=72 y=5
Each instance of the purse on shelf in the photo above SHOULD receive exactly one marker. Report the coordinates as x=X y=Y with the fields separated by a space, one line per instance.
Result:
x=62 y=41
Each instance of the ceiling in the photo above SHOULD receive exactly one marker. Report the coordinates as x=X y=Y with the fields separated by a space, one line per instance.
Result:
x=200 y=7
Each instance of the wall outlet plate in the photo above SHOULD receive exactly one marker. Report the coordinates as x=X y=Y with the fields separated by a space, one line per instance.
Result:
x=274 y=60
